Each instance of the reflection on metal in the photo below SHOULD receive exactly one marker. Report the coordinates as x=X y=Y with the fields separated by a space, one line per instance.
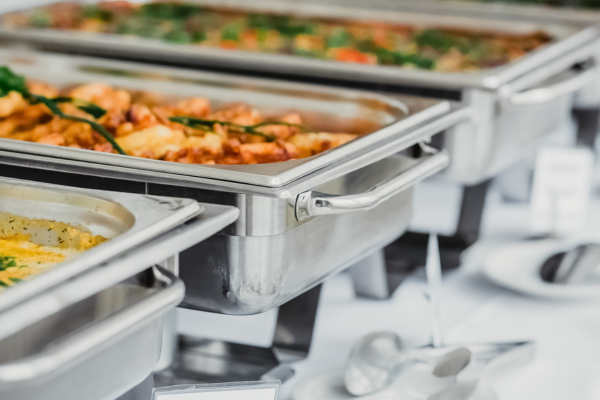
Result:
x=310 y=204
x=205 y=360
x=113 y=342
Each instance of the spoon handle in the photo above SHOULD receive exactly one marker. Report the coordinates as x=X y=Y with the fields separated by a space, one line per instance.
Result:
x=433 y=270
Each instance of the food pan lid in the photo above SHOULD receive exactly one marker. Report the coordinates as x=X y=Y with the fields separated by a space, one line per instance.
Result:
x=390 y=118
x=128 y=220
x=569 y=33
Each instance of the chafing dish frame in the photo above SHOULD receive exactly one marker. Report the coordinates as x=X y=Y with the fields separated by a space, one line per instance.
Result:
x=268 y=219
x=390 y=116
x=124 y=345
x=480 y=149
x=128 y=220
x=103 y=358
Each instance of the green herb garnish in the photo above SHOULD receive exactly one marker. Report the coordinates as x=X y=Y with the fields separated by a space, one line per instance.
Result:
x=340 y=37
x=11 y=82
x=388 y=57
x=208 y=126
x=7 y=262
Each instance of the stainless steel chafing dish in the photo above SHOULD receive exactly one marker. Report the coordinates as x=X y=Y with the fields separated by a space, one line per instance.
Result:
x=91 y=327
x=301 y=220
x=513 y=106
x=589 y=96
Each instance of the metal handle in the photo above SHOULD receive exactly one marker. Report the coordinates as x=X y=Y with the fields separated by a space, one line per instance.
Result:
x=310 y=204
x=67 y=351
x=553 y=91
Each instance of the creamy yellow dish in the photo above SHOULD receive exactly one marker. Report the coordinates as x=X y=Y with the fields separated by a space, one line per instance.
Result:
x=29 y=247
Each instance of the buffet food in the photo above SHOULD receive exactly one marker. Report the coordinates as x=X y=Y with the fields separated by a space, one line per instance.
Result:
x=99 y=117
x=444 y=49
x=29 y=247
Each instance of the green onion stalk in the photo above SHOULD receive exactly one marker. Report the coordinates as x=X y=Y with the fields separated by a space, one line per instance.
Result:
x=11 y=82
x=208 y=126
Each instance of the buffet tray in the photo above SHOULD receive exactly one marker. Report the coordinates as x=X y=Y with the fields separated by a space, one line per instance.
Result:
x=386 y=117
x=126 y=220
x=568 y=37
x=93 y=325
x=97 y=348
x=261 y=260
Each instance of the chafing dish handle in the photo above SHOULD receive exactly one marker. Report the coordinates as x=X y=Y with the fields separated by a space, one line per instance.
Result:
x=551 y=92
x=310 y=203
x=68 y=351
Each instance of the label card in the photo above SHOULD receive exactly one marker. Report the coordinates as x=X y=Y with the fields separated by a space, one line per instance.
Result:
x=260 y=390
x=561 y=190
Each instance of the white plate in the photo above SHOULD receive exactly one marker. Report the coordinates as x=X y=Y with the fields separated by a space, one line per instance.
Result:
x=516 y=266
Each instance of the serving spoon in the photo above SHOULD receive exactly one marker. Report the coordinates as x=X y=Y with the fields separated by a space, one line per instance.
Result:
x=377 y=360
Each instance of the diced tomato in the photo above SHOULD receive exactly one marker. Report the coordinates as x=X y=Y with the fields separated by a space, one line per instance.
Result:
x=249 y=40
x=229 y=44
x=355 y=56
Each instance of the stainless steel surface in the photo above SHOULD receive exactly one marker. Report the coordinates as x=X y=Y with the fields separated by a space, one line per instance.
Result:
x=452 y=363
x=545 y=94
x=568 y=38
x=369 y=277
x=310 y=204
x=125 y=265
x=267 y=256
x=497 y=136
x=251 y=274
x=385 y=119
x=96 y=349
x=370 y=365
x=128 y=220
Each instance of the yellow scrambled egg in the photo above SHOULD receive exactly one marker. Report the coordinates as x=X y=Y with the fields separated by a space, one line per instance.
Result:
x=20 y=258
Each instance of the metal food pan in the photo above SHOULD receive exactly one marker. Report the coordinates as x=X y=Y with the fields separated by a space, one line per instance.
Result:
x=97 y=348
x=325 y=109
x=97 y=332
x=45 y=201
x=127 y=220
x=507 y=102
x=287 y=239
x=567 y=37
x=256 y=263
x=252 y=274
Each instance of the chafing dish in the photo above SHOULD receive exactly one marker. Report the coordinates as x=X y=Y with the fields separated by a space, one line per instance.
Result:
x=97 y=348
x=589 y=96
x=301 y=220
x=514 y=106
x=92 y=326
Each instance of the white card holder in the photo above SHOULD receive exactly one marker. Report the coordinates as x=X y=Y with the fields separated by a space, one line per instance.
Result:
x=259 y=390
x=561 y=191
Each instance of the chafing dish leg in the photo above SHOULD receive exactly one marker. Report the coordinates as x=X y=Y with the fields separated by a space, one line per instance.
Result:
x=295 y=326
x=369 y=277
x=410 y=251
x=168 y=350
x=205 y=360
x=587 y=125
